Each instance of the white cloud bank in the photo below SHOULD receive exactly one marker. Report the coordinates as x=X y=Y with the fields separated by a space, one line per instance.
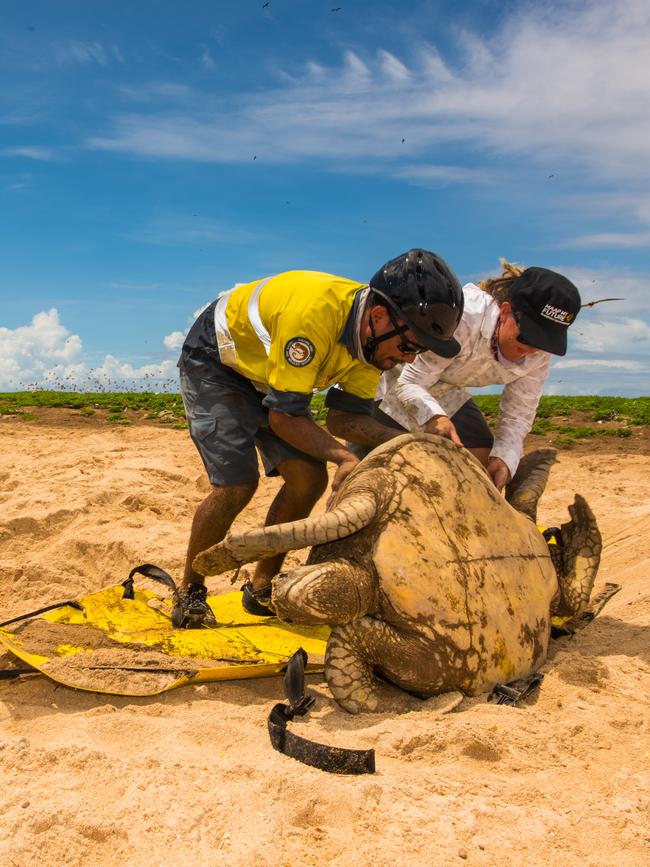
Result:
x=44 y=354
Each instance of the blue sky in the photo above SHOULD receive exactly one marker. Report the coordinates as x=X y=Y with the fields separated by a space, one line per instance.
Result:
x=153 y=154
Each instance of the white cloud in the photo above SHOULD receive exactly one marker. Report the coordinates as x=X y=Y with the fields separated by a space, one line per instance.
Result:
x=560 y=84
x=31 y=152
x=603 y=364
x=207 y=60
x=76 y=51
x=191 y=230
x=606 y=283
x=356 y=73
x=626 y=335
x=157 y=90
x=45 y=354
x=175 y=340
x=610 y=239
x=393 y=68
x=428 y=175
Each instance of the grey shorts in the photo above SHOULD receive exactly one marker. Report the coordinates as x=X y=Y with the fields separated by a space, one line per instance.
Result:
x=469 y=422
x=226 y=421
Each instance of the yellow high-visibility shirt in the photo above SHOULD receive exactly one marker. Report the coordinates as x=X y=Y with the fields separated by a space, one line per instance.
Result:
x=283 y=334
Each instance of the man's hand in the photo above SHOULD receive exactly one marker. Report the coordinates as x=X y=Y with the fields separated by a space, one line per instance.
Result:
x=307 y=436
x=343 y=471
x=498 y=472
x=443 y=426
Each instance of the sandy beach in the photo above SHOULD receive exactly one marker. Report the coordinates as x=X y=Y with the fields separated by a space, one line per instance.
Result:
x=190 y=776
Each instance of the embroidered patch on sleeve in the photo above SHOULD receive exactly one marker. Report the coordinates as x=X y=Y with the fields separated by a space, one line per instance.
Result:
x=299 y=351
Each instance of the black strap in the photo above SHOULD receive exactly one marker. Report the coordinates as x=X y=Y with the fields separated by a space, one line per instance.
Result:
x=149 y=571
x=516 y=690
x=11 y=673
x=71 y=602
x=335 y=760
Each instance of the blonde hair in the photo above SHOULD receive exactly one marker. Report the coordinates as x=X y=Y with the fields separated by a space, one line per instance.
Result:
x=499 y=287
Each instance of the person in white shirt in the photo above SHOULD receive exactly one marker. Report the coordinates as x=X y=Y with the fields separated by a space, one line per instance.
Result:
x=511 y=325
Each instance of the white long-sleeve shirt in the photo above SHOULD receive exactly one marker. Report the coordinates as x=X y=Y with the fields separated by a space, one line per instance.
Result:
x=432 y=385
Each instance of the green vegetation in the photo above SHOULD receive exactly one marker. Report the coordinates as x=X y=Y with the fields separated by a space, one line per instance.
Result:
x=117 y=418
x=113 y=402
x=318 y=409
x=634 y=410
x=555 y=414
x=562 y=420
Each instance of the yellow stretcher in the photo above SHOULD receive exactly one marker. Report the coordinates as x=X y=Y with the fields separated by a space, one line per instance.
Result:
x=107 y=643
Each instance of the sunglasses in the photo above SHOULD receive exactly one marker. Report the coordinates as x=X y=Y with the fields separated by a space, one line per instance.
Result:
x=405 y=346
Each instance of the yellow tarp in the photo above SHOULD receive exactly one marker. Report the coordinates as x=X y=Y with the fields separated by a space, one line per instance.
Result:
x=128 y=646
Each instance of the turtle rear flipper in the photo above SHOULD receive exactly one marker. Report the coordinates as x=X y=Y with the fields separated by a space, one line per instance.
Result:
x=581 y=545
x=528 y=484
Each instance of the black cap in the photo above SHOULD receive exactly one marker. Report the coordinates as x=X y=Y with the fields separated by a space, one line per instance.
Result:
x=546 y=303
x=425 y=293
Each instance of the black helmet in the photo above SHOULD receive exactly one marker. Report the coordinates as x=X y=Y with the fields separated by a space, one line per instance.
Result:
x=424 y=292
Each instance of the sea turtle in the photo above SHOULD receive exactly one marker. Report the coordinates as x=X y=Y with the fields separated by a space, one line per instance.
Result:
x=428 y=576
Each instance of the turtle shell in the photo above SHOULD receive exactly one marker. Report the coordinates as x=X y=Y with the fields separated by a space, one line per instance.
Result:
x=458 y=565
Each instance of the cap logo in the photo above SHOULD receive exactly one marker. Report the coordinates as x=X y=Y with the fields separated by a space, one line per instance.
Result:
x=556 y=314
x=299 y=351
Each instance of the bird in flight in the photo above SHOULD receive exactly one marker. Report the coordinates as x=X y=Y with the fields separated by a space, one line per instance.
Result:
x=600 y=301
x=337 y=9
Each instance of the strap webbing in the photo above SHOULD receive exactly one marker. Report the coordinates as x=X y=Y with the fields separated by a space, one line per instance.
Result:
x=149 y=571
x=71 y=602
x=335 y=760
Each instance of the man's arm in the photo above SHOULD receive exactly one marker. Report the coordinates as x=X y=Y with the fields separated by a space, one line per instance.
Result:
x=304 y=434
x=359 y=428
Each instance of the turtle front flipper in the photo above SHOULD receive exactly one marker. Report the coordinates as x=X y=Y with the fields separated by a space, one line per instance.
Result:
x=578 y=560
x=331 y=592
x=357 y=651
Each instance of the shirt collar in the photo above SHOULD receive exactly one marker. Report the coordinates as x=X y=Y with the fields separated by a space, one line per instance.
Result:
x=351 y=335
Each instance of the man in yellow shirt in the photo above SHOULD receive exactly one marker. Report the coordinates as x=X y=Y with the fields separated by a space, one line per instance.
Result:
x=249 y=367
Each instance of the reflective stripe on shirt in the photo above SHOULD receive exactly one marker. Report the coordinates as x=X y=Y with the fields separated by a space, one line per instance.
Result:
x=227 y=349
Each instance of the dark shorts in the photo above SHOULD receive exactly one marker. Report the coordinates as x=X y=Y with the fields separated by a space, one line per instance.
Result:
x=472 y=427
x=227 y=421
x=469 y=422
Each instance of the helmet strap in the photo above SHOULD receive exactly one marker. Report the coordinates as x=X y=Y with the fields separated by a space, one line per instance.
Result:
x=373 y=341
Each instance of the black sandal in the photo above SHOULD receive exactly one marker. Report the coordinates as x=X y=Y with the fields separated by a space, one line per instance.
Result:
x=257 y=602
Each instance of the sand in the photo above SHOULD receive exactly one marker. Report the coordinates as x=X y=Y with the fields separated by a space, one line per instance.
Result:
x=190 y=776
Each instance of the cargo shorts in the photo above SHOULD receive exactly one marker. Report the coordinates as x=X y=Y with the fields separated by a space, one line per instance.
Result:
x=227 y=420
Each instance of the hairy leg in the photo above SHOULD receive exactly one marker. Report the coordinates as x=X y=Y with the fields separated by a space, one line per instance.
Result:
x=212 y=520
x=304 y=483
